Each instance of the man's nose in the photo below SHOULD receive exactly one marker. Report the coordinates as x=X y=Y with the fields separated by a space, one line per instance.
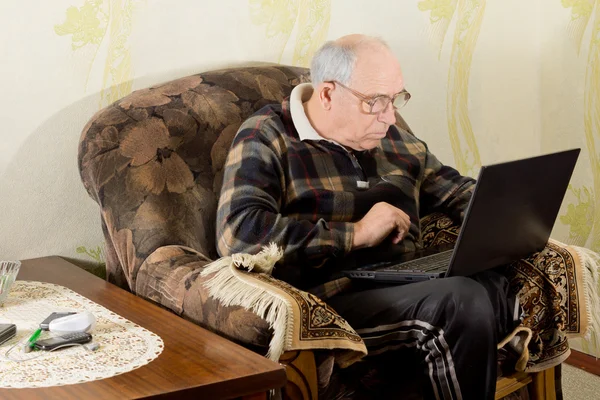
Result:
x=388 y=115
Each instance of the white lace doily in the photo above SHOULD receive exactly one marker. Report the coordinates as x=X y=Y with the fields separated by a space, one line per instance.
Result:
x=124 y=346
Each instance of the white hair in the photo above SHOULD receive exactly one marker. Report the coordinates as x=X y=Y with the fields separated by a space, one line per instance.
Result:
x=335 y=62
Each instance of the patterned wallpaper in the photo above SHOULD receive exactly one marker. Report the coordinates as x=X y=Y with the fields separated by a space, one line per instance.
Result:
x=310 y=18
x=584 y=227
x=581 y=216
x=108 y=21
x=469 y=15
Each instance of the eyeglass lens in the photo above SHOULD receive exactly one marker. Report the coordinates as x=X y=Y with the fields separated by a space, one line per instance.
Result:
x=381 y=103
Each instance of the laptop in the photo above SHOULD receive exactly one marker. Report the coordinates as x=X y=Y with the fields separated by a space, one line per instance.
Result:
x=510 y=216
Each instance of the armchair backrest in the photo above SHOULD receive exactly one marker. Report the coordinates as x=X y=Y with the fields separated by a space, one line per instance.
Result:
x=153 y=160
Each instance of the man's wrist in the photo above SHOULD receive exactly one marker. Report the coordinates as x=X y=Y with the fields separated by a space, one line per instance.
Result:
x=357 y=240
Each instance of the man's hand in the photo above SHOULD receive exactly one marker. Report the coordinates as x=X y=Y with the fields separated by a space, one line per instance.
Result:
x=381 y=221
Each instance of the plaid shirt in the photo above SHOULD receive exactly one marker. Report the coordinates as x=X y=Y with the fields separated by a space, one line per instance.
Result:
x=305 y=195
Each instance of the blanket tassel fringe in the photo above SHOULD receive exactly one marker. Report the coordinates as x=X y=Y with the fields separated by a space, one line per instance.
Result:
x=590 y=262
x=231 y=286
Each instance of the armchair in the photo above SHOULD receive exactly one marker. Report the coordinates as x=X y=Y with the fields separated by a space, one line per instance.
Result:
x=153 y=162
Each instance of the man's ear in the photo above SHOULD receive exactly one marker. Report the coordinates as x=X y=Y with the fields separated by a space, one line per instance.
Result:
x=325 y=91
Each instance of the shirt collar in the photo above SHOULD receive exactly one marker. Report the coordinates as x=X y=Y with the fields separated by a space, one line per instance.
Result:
x=300 y=94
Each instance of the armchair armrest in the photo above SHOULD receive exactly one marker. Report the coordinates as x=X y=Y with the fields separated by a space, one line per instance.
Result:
x=170 y=277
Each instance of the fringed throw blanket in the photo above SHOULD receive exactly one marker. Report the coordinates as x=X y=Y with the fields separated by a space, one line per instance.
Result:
x=556 y=288
x=300 y=320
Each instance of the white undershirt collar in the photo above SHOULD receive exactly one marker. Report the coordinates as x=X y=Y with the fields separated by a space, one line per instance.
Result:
x=300 y=94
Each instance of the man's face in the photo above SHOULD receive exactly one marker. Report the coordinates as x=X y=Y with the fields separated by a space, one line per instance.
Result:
x=375 y=74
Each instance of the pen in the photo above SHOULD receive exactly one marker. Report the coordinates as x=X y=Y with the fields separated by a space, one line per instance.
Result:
x=33 y=338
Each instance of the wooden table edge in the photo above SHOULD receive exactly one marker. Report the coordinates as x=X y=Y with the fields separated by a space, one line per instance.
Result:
x=270 y=379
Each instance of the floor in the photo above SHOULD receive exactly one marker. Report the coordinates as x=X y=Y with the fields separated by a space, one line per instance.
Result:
x=578 y=384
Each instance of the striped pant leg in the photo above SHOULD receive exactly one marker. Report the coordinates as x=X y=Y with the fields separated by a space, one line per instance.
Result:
x=450 y=323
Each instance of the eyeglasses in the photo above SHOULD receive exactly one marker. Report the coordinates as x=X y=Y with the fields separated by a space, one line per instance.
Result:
x=380 y=102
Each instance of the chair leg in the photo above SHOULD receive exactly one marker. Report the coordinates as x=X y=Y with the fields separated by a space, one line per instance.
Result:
x=301 y=371
x=543 y=386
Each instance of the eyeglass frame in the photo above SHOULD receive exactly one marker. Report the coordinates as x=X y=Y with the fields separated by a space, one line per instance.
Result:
x=370 y=100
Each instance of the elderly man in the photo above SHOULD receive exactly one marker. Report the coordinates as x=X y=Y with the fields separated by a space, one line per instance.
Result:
x=326 y=173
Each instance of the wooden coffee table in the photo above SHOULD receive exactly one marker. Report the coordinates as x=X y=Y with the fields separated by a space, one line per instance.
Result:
x=195 y=363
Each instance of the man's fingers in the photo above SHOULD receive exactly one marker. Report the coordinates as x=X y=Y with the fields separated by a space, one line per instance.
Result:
x=406 y=222
x=398 y=236
x=402 y=220
x=383 y=220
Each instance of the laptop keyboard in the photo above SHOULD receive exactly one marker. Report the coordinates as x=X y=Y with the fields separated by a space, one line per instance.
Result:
x=439 y=261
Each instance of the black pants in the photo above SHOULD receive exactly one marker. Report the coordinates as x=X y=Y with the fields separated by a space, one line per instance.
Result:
x=452 y=324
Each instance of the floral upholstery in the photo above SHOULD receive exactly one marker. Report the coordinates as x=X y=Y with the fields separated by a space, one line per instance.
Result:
x=153 y=162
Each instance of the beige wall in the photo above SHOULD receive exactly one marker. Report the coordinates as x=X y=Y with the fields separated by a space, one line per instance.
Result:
x=512 y=71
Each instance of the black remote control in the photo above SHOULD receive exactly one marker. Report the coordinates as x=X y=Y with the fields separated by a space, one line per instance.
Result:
x=67 y=339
